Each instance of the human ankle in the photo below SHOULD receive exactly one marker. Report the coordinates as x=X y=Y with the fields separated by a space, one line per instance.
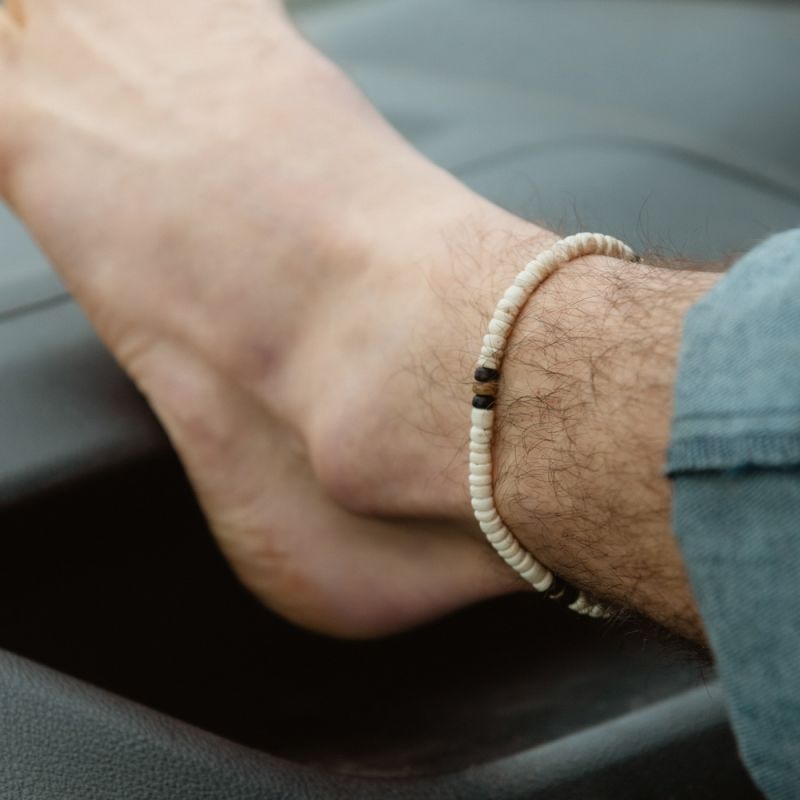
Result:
x=582 y=430
x=388 y=434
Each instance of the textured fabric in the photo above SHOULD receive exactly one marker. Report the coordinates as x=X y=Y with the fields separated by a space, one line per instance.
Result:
x=735 y=462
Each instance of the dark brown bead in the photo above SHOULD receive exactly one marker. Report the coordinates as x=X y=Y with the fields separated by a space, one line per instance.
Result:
x=483 y=401
x=486 y=374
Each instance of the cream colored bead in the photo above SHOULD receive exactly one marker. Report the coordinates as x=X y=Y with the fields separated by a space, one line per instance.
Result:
x=545 y=583
x=515 y=296
x=480 y=492
x=510 y=549
x=502 y=316
x=496 y=343
x=482 y=418
x=480 y=436
x=594 y=243
x=508 y=308
x=492 y=527
x=499 y=328
x=491 y=356
x=525 y=280
x=535 y=574
x=580 y=606
x=546 y=261
x=538 y=275
x=516 y=560
x=501 y=538
x=526 y=563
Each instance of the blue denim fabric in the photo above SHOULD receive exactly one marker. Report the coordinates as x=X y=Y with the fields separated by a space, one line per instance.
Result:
x=735 y=464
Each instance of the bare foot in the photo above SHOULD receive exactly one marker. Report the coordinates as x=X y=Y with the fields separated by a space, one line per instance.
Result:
x=280 y=273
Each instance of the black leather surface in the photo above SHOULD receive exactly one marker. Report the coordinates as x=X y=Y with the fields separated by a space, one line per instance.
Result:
x=61 y=739
x=66 y=409
x=130 y=594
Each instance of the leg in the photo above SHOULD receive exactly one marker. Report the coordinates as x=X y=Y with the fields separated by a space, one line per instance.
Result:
x=154 y=213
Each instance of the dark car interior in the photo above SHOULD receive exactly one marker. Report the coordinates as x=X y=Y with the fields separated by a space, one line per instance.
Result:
x=135 y=666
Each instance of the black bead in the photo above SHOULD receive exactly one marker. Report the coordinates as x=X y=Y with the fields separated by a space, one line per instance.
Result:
x=486 y=375
x=556 y=587
x=569 y=596
x=484 y=401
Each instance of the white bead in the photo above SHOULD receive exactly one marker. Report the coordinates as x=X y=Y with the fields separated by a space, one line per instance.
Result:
x=508 y=308
x=526 y=563
x=535 y=573
x=496 y=343
x=482 y=504
x=537 y=274
x=480 y=480
x=492 y=527
x=517 y=559
x=581 y=606
x=491 y=354
x=616 y=248
x=515 y=296
x=486 y=516
x=509 y=549
x=545 y=261
x=596 y=611
x=480 y=469
x=607 y=245
x=482 y=418
x=501 y=538
x=593 y=243
x=503 y=316
x=480 y=492
x=480 y=435
x=524 y=281
x=545 y=583
x=499 y=328
x=479 y=449
x=480 y=460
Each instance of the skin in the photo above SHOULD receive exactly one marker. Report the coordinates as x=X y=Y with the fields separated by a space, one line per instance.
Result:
x=301 y=296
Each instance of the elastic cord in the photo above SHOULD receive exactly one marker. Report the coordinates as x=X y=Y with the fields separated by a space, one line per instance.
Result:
x=487 y=382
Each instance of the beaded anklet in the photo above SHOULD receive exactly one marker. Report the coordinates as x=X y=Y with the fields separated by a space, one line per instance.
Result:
x=487 y=379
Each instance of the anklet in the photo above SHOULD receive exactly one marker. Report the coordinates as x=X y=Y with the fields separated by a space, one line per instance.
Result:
x=487 y=379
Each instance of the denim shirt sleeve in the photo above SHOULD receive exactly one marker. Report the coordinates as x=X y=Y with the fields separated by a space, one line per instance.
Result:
x=735 y=464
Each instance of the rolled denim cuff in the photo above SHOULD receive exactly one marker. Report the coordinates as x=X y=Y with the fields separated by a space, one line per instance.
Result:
x=735 y=462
